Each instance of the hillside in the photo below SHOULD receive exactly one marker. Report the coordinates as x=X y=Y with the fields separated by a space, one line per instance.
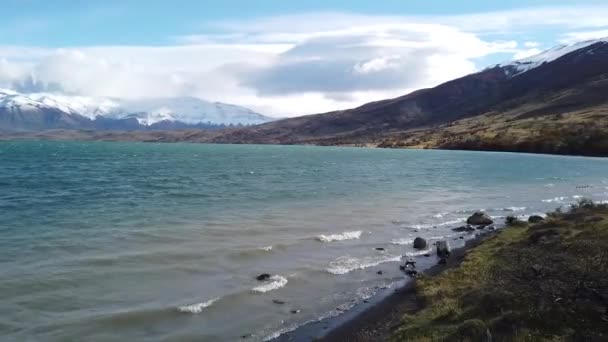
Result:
x=554 y=102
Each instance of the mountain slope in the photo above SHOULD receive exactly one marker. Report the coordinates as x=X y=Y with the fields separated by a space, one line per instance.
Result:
x=560 y=81
x=40 y=111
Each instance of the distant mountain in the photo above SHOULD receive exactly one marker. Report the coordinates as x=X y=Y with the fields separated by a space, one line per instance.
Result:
x=39 y=111
x=554 y=102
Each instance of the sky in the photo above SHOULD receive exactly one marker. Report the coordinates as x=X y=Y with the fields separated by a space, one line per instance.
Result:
x=280 y=58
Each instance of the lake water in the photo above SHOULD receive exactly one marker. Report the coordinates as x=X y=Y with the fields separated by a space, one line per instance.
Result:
x=162 y=242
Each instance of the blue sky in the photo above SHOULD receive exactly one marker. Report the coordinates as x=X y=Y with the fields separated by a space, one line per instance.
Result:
x=281 y=57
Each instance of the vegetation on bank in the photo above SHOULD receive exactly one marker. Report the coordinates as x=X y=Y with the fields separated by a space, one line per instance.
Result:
x=573 y=133
x=536 y=282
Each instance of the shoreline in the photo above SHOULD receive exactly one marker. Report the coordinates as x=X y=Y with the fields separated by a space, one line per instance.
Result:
x=375 y=318
x=116 y=136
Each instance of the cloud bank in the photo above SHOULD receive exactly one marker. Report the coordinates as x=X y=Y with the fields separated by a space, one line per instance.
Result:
x=300 y=64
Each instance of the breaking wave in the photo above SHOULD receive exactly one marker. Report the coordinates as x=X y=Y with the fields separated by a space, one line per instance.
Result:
x=197 y=307
x=275 y=282
x=339 y=237
x=345 y=265
x=407 y=241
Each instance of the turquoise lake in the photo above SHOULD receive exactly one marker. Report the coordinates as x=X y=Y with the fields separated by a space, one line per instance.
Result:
x=162 y=242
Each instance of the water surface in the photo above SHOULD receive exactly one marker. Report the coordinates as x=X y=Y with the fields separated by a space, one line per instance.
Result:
x=130 y=241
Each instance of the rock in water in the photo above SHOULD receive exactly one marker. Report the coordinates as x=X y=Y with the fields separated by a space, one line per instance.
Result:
x=535 y=219
x=443 y=249
x=263 y=277
x=480 y=219
x=420 y=243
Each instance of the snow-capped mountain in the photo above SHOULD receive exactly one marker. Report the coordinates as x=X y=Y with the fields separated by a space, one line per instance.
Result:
x=179 y=112
x=520 y=66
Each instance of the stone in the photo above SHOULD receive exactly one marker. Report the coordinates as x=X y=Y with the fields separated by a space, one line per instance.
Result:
x=443 y=261
x=480 y=219
x=443 y=249
x=380 y=249
x=420 y=243
x=277 y=301
x=263 y=277
x=296 y=311
x=535 y=219
x=460 y=229
x=410 y=262
x=380 y=272
x=412 y=273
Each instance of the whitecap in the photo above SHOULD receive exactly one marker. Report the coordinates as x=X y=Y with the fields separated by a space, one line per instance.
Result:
x=197 y=307
x=266 y=249
x=440 y=215
x=556 y=199
x=402 y=241
x=441 y=224
x=275 y=282
x=340 y=237
x=515 y=209
x=419 y=253
x=345 y=265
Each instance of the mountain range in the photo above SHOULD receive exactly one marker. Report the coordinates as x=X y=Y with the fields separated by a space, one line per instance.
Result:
x=554 y=102
x=41 y=111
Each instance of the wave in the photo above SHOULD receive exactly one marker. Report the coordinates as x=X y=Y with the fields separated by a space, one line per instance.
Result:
x=514 y=209
x=265 y=249
x=440 y=215
x=275 y=282
x=197 y=307
x=441 y=224
x=344 y=265
x=340 y=237
x=419 y=253
x=556 y=199
x=361 y=295
x=407 y=241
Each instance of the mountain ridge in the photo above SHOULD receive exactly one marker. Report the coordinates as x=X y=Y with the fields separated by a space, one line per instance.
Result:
x=556 y=105
x=38 y=111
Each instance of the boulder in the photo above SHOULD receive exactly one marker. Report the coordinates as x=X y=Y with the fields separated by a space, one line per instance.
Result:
x=380 y=249
x=420 y=243
x=263 y=277
x=443 y=249
x=412 y=273
x=480 y=219
x=535 y=219
x=463 y=229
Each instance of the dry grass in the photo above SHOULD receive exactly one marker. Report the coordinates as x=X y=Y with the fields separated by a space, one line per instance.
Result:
x=547 y=281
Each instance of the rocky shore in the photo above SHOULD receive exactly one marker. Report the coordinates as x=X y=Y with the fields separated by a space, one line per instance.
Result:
x=541 y=278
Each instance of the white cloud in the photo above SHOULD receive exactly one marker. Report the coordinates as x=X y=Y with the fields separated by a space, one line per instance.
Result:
x=572 y=37
x=526 y=53
x=300 y=64
x=531 y=44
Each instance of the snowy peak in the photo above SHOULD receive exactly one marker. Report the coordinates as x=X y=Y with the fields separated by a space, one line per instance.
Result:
x=523 y=65
x=147 y=112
